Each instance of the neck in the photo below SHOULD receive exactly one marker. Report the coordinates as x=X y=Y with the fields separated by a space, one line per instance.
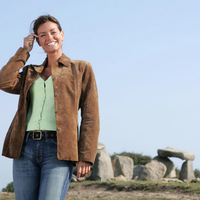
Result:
x=52 y=57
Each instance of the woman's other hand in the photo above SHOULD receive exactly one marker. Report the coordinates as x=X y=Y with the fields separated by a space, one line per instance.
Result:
x=83 y=168
x=28 y=42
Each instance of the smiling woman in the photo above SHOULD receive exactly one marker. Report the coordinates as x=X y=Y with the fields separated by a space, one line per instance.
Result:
x=43 y=139
x=50 y=38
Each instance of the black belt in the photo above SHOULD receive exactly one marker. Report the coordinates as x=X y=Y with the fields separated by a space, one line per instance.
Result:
x=39 y=135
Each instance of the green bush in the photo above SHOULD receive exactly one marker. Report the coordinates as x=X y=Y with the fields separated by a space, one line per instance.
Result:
x=9 y=188
x=138 y=158
x=197 y=173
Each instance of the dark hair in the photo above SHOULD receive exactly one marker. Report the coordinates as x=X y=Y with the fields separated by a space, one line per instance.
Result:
x=41 y=20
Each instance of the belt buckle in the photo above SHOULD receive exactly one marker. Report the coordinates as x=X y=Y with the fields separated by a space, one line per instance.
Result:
x=40 y=134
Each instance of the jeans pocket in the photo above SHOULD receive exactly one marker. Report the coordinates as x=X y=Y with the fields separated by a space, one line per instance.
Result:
x=54 y=141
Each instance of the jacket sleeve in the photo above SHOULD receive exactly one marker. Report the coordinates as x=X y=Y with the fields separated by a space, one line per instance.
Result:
x=89 y=129
x=10 y=78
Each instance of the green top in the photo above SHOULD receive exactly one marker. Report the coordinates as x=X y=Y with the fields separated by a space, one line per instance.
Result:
x=41 y=110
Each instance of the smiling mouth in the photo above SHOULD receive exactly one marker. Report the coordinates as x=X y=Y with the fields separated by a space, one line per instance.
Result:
x=51 y=44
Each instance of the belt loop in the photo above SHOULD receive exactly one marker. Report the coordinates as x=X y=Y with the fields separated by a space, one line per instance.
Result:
x=27 y=136
x=46 y=136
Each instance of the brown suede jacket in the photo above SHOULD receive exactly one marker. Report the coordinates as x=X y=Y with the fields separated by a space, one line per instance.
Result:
x=74 y=87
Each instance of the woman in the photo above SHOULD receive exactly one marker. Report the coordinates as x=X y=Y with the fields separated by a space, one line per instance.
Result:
x=43 y=137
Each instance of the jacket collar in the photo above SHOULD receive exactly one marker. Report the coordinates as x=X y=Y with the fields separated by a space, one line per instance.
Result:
x=63 y=59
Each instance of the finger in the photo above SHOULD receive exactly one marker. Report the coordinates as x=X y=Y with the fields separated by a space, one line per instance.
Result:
x=87 y=169
x=28 y=41
x=79 y=171
x=31 y=37
x=35 y=35
x=83 y=170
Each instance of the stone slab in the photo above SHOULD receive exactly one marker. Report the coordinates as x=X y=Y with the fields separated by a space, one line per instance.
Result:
x=171 y=152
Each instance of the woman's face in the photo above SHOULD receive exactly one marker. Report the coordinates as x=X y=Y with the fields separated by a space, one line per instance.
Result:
x=50 y=37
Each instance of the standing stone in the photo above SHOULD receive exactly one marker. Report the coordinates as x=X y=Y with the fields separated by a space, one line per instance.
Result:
x=137 y=170
x=102 y=168
x=171 y=152
x=123 y=165
x=187 y=172
x=171 y=172
x=101 y=146
x=153 y=171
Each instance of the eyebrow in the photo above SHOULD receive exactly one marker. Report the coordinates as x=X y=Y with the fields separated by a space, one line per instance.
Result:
x=45 y=32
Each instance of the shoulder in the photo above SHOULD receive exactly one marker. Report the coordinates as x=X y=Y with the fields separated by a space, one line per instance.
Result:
x=81 y=65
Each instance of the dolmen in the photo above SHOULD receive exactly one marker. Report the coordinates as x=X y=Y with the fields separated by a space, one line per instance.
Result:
x=186 y=173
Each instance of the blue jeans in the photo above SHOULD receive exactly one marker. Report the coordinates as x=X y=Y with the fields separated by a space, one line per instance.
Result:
x=38 y=174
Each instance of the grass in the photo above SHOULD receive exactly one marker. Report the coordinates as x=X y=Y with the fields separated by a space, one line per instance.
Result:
x=190 y=188
x=74 y=185
x=129 y=187
x=6 y=198
x=192 y=191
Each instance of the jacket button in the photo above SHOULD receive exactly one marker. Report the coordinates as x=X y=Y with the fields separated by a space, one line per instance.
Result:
x=55 y=95
x=54 y=78
x=56 y=112
x=58 y=129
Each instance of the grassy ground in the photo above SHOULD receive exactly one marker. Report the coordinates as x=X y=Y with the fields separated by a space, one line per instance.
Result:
x=193 y=188
x=138 y=190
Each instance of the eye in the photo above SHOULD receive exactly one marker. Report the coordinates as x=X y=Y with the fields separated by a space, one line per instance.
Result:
x=42 y=35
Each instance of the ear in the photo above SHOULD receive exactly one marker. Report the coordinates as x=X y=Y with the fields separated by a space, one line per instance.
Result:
x=62 y=35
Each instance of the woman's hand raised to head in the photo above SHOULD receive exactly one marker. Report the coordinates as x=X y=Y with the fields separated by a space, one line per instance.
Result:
x=28 y=41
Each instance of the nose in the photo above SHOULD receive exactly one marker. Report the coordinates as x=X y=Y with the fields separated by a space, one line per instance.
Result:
x=49 y=36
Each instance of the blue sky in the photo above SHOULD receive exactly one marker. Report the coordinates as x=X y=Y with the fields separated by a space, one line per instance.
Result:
x=145 y=55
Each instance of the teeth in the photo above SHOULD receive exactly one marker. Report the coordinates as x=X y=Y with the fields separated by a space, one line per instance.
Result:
x=52 y=43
